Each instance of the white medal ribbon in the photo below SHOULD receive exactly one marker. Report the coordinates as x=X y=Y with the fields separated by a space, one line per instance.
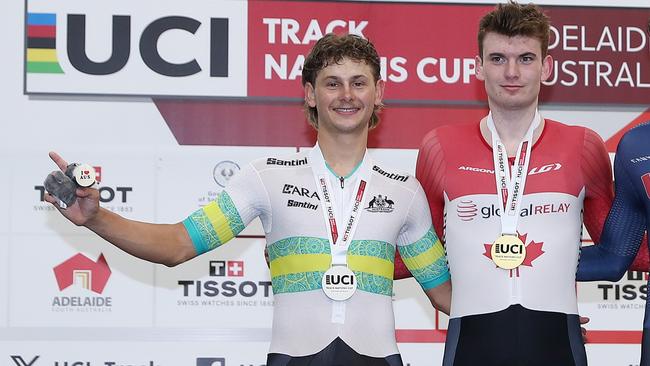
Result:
x=340 y=233
x=511 y=189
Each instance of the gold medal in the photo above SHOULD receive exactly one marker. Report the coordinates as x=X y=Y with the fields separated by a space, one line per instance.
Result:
x=508 y=251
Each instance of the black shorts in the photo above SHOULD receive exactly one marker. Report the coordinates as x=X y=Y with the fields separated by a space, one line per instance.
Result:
x=336 y=353
x=515 y=336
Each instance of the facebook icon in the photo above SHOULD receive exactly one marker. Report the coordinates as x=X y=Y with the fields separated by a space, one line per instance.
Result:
x=210 y=361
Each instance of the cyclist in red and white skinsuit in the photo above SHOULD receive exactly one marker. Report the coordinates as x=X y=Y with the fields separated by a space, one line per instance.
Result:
x=526 y=315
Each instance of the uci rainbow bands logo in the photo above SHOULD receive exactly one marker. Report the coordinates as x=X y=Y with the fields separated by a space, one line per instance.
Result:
x=41 y=44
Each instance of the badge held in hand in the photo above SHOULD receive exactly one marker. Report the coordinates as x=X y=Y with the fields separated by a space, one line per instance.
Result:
x=64 y=186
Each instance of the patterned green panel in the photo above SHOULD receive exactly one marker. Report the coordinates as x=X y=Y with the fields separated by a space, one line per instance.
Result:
x=230 y=211
x=308 y=281
x=199 y=221
x=433 y=271
x=297 y=282
x=374 y=284
x=298 y=245
x=420 y=246
x=373 y=248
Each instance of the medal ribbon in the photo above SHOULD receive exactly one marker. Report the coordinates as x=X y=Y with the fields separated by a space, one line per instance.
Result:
x=511 y=189
x=339 y=242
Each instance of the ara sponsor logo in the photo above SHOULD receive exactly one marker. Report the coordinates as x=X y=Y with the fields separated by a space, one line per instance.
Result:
x=395 y=176
x=114 y=198
x=290 y=189
x=224 y=171
x=466 y=210
x=629 y=293
x=534 y=250
x=544 y=209
x=300 y=191
x=77 y=276
x=380 y=203
x=227 y=286
x=75 y=47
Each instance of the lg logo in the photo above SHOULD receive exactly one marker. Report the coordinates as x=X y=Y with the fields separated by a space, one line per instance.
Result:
x=545 y=168
x=20 y=361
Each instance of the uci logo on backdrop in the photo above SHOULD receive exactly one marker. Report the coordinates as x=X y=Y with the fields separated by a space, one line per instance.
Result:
x=136 y=48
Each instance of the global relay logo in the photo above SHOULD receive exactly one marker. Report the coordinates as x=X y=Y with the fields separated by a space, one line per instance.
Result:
x=87 y=274
x=41 y=44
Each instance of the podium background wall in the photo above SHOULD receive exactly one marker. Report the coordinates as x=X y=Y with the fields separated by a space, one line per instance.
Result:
x=165 y=145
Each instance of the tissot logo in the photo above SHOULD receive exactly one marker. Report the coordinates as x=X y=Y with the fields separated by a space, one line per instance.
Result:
x=24 y=361
x=231 y=268
x=228 y=287
x=114 y=198
x=85 y=49
x=634 y=289
x=380 y=203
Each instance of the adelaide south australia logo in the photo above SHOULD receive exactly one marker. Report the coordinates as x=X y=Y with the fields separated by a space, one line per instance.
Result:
x=380 y=203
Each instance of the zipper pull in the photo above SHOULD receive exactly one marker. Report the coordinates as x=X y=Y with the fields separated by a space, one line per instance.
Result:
x=341 y=180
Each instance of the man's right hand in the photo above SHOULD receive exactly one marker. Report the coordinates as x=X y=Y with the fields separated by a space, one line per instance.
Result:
x=86 y=207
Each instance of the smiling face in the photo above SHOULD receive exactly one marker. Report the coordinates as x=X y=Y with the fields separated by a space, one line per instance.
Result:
x=345 y=95
x=512 y=69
